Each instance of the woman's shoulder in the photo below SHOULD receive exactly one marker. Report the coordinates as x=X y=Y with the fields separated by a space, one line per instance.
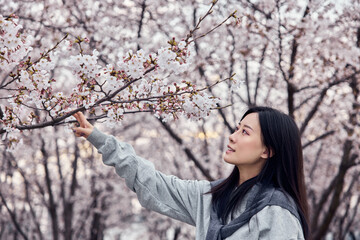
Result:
x=270 y=195
x=282 y=199
x=279 y=218
x=278 y=222
x=281 y=195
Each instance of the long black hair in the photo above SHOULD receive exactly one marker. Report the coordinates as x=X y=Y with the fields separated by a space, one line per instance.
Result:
x=284 y=169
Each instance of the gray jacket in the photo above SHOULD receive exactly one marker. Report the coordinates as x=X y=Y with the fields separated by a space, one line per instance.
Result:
x=185 y=200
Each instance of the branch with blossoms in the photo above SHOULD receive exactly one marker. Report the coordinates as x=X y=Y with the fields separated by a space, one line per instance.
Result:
x=139 y=82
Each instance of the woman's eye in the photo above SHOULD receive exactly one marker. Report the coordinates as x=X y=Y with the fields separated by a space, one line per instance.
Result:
x=245 y=132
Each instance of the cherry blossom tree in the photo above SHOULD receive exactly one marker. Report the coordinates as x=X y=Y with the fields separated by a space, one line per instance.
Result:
x=139 y=83
x=172 y=59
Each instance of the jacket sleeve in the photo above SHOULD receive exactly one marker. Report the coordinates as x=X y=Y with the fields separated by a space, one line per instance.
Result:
x=156 y=191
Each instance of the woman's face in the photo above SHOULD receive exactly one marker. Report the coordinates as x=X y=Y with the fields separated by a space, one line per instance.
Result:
x=246 y=149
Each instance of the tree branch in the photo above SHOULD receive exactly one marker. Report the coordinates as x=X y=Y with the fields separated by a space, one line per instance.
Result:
x=314 y=109
x=13 y=217
x=52 y=204
x=187 y=151
x=58 y=120
x=143 y=7
x=13 y=163
x=324 y=135
x=259 y=73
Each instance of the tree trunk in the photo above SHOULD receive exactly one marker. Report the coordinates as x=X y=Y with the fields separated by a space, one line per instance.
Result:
x=51 y=203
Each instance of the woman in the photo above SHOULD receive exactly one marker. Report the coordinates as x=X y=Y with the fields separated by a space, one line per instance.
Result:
x=263 y=198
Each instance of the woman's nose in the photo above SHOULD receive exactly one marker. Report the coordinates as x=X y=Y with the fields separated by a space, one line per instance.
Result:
x=232 y=137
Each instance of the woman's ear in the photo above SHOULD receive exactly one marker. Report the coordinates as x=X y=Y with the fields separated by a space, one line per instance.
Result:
x=268 y=153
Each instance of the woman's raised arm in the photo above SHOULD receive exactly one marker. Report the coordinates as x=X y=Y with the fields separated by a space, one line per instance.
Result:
x=165 y=194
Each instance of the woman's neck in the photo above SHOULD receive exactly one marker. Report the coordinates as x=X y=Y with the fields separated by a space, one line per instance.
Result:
x=247 y=173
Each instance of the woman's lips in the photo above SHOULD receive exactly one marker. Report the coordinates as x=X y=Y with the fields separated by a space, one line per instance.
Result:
x=229 y=149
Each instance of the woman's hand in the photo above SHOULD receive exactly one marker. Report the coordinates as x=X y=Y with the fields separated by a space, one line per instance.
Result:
x=85 y=128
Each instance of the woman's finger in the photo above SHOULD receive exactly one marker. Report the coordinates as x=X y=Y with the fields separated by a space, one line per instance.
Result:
x=76 y=115
x=82 y=132
x=81 y=119
x=78 y=131
x=83 y=122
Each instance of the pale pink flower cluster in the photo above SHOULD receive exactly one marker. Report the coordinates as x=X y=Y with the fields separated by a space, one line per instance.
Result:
x=114 y=114
x=134 y=65
x=110 y=82
x=12 y=134
x=37 y=83
x=236 y=84
x=199 y=106
x=90 y=100
x=39 y=78
x=176 y=58
x=13 y=45
x=85 y=64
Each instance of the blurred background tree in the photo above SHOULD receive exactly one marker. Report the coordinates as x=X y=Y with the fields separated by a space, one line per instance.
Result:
x=301 y=57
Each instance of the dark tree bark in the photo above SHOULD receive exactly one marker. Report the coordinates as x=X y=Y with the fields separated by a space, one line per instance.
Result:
x=52 y=206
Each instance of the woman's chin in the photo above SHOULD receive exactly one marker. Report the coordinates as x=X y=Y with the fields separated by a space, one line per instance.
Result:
x=227 y=160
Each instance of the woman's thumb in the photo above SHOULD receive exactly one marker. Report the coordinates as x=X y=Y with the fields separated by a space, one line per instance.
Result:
x=81 y=132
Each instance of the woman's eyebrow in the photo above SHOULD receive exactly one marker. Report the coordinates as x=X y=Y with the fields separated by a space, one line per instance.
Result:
x=247 y=126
